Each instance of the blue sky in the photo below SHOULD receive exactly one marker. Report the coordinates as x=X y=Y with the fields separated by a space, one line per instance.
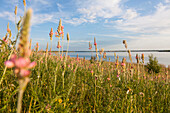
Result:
x=145 y=24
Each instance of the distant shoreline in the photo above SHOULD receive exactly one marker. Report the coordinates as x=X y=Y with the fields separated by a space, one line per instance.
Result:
x=118 y=51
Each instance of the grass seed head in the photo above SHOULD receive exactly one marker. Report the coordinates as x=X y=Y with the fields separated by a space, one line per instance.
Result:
x=24 y=2
x=68 y=37
x=15 y=10
x=24 y=44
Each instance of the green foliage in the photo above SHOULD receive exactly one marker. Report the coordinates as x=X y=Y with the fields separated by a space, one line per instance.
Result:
x=153 y=65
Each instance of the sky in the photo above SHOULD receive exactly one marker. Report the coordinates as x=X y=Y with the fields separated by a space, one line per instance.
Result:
x=145 y=24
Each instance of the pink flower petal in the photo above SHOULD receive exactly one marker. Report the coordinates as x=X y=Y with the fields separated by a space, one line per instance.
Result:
x=31 y=65
x=24 y=72
x=13 y=57
x=9 y=64
x=62 y=27
x=22 y=62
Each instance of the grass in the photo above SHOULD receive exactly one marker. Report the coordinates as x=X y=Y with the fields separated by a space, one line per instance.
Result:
x=84 y=92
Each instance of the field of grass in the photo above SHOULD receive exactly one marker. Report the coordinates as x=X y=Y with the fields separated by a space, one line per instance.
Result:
x=58 y=83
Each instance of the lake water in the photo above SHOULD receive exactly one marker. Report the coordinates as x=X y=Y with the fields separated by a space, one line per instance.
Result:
x=162 y=57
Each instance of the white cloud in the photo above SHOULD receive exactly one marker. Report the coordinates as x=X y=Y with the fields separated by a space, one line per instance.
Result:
x=130 y=14
x=167 y=1
x=155 y=23
x=12 y=2
x=145 y=42
x=41 y=18
x=92 y=9
x=8 y=15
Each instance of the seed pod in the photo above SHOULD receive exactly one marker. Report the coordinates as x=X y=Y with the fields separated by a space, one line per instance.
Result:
x=124 y=42
x=104 y=55
x=95 y=41
x=68 y=37
x=137 y=58
x=24 y=2
x=59 y=27
x=15 y=10
x=142 y=57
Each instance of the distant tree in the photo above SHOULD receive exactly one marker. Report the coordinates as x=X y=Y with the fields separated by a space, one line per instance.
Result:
x=153 y=65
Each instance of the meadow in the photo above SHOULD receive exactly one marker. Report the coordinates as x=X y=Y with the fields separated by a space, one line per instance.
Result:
x=34 y=81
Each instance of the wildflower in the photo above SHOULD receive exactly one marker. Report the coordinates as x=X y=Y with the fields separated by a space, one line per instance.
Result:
x=56 y=34
x=137 y=58
x=116 y=63
x=51 y=34
x=58 y=46
x=8 y=30
x=91 y=72
x=5 y=40
x=59 y=26
x=142 y=94
x=60 y=101
x=37 y=46
x=117 y=76
x=77 y=57
x=122 y=64
x=62 y=27
x=129 y=90
x=95 y=41
x=22 y=65
x=104 y=55
x=110 y=85
x=108 y=79
x=9 y=64
x=61 y=57
x=61 y=33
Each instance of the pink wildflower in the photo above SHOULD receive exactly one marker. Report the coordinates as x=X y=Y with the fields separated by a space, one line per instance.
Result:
x=58 y=46
x=122 y=64
x=62 y=27
x=9 y=64
x=6 y=41
x=116 y=63
x=108 y=79
x=22 y=65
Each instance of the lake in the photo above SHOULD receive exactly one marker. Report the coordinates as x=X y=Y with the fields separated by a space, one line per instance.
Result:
x=162 y=57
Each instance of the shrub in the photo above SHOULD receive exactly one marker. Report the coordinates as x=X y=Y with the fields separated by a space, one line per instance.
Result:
x=153 y=65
